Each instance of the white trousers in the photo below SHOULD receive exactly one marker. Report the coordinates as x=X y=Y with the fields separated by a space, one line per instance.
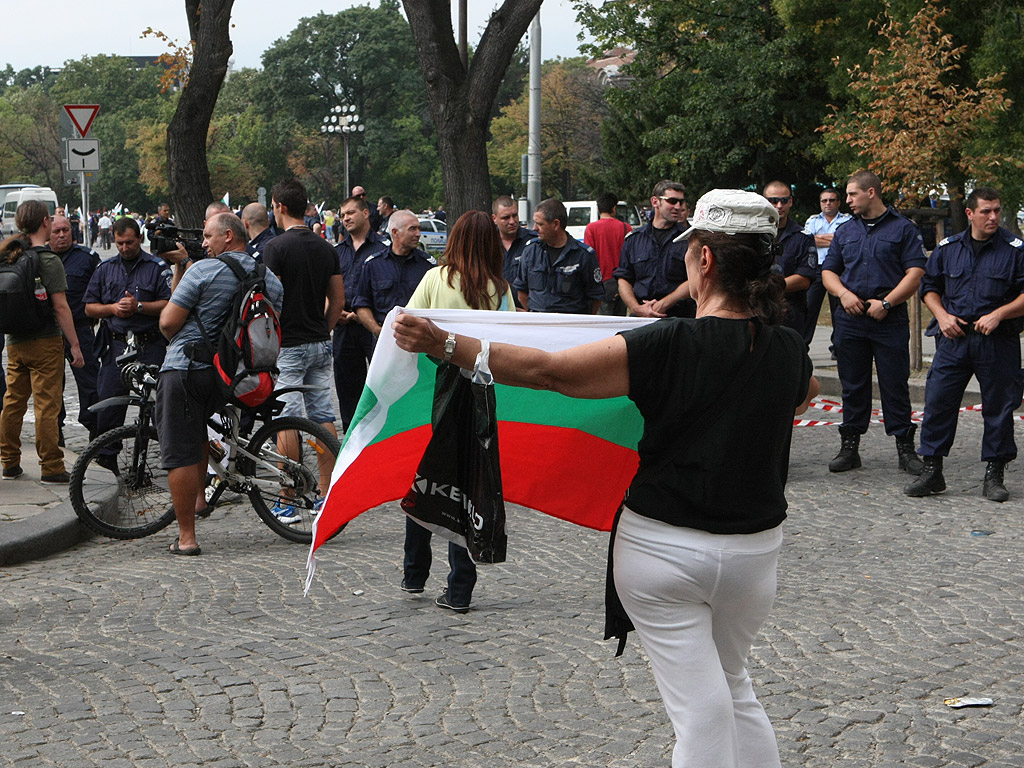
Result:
x=697 y=600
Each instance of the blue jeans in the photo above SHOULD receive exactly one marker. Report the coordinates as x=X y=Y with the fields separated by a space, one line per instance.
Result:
x=461 y=577
x=309 y=365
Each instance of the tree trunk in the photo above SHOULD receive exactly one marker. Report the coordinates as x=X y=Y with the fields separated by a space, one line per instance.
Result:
x=460 y=100
x=189 y=177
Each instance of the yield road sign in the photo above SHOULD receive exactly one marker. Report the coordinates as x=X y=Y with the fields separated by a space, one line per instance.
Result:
x=82 y=116
x=83 y=154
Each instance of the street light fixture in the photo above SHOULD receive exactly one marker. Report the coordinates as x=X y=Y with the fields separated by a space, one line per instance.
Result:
x=344 y=120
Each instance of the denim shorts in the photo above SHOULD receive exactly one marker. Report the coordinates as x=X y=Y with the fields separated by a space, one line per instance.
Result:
x=310 y=365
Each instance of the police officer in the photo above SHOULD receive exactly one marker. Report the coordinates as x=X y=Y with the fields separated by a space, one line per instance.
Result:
x=973 y=285
x=505 y=214
x=651 y=271
x=557 y=273
x=797 y=259
x=388 y=278
x=353 y=343
x=126 y=293
x=79 y=265
x=257 y=226
x=873 y=266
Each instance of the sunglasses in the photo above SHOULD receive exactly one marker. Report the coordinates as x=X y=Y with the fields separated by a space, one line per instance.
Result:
x=673 y=200
x=778 y=200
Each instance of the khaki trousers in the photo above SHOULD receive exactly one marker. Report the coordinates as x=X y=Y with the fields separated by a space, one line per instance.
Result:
x=33 y=368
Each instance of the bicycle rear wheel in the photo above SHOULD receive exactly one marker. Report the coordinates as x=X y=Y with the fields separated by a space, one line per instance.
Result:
x=132 y=502
x=295 y=459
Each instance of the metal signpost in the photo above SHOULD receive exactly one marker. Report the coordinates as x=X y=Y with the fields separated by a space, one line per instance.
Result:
x=81 y=154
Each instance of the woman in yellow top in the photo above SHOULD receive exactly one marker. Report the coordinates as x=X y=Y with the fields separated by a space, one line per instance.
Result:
x=470 y=278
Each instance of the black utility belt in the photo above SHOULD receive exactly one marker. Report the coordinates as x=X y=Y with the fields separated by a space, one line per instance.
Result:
x=143 y=337
x=1006 y=328
x=85 y=322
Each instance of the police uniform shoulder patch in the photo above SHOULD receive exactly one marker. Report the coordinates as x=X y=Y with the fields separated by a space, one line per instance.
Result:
x=629 y=234
x=586 y=247
x=533 y=240
x=432 y=260
x=597 y=275
x=373 y=256
x=1016 y=242
x=945 y=241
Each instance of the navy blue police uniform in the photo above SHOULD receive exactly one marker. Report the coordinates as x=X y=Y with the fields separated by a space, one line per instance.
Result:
x=566 y=280
x=510 y=268
x=255 y=246
x=797 y=256
x=353 y=343
x=871 y=260
x=79 y=265
x=971 y=286
x=387 y=280
x=656 y=269
x=146 y=279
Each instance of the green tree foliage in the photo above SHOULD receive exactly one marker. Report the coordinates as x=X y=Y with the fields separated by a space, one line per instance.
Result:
x=717 y=94
x=910 y=120
x=361 y=57
x=838 y=38
x=572 y=108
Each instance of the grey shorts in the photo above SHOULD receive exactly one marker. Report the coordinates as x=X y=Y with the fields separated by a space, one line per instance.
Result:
x=185 y=400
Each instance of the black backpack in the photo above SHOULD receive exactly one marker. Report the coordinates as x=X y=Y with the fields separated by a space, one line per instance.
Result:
x=21 y=310
x=245 y=355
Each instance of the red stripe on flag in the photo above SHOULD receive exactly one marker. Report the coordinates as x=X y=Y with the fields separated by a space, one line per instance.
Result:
x=382 y=472
x=565 y=473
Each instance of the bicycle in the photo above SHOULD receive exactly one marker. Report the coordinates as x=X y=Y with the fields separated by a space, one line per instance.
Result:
x=129 y=496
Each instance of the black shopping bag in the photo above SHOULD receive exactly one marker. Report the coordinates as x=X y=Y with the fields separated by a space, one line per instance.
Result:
x=457 y=489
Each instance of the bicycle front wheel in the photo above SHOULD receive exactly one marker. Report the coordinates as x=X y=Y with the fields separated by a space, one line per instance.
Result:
x=124 y=494
x=292 y=471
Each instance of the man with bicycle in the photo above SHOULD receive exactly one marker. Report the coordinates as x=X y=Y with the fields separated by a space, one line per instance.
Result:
x=188 y=392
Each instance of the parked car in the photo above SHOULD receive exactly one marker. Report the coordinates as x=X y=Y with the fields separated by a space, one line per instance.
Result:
x=433 y=235
x=582 y=212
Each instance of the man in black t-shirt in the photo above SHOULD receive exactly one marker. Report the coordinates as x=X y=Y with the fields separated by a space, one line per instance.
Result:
x=308 y=269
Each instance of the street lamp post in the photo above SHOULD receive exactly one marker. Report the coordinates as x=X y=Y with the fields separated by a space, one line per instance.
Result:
x=344 y=120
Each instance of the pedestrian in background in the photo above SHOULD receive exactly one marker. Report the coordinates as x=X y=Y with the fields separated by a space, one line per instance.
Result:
x=471 y=278
x=35 y=360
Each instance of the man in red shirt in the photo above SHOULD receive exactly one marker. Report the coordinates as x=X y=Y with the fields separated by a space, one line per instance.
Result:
x=605 y=236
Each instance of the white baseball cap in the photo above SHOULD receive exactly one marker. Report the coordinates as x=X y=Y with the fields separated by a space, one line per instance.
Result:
x=734 y=212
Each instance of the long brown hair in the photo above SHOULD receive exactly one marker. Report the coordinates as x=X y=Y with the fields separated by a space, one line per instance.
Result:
x=28 y=219
x=474 y=253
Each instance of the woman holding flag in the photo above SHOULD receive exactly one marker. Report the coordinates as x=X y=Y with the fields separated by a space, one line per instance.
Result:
x=470 y=278
x=696 y=546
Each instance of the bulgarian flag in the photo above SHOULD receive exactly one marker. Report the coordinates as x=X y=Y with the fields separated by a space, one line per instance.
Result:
x=569 y=458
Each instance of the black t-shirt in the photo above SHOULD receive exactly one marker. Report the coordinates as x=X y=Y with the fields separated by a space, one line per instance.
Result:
x=305 y=264
x=732 y=478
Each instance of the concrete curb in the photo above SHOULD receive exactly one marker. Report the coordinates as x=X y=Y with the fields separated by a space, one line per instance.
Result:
x=42 y=535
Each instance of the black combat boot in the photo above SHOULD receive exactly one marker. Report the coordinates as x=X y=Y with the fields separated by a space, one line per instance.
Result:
x=909 y=461
x=994 y=488
x=930 y=481
x=848 y=457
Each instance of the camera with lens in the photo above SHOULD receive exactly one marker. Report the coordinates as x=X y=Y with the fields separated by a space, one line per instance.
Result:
x=165 y=237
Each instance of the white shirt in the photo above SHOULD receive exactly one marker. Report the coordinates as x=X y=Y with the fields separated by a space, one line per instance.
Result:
x=819 y=225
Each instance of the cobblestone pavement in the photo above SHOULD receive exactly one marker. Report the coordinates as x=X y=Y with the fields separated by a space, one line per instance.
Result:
x=118 y=654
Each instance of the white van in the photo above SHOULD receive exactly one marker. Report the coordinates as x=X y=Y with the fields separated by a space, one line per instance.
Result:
x=19 y=196
x=582 y=212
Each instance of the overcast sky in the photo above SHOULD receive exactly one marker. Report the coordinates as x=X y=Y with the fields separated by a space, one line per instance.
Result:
x=93 y=27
